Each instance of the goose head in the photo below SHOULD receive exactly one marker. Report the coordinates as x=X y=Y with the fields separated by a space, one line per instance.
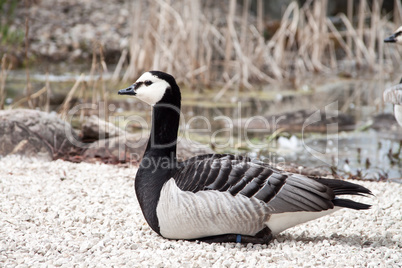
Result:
x=396 y=37
x=154 y=87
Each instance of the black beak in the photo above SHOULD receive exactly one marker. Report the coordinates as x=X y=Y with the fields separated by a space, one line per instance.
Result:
x=128 y=91
x=391 y=39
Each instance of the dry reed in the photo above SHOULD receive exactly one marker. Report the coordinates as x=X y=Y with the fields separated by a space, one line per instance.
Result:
x=200 y=45
x=93 y=87
x=66 y=104
x=5 y=67
x=28 y=84
x=30 y=98
x=48 y=93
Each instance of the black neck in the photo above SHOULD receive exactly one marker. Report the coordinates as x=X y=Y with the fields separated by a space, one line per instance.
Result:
x=159 y=162
x=165 y=125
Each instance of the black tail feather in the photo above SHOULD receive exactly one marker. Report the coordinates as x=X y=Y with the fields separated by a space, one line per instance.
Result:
x=340 y=187
x=344 y=187
x=346 y=203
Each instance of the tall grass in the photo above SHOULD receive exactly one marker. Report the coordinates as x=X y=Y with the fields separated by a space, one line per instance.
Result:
x=5 y=67
x=200 y=44
x=223 y=44
x=90 y=89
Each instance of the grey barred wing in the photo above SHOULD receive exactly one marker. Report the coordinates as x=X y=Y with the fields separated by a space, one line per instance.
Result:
x=234 y=174
x=283 y=192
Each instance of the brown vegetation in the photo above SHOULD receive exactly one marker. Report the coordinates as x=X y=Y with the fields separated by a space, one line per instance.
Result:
x=207 y=47
x=224 y=44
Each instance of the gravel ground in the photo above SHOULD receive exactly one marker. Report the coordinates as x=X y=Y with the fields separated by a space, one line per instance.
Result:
x=64 y=214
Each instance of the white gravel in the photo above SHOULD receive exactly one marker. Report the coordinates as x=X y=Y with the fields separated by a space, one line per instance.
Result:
x=64 y=214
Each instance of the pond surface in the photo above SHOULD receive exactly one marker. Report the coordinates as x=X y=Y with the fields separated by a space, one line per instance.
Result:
x=213 y=118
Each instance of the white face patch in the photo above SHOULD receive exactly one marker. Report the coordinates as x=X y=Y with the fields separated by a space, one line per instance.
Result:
x=151 y=89
x=399 y=37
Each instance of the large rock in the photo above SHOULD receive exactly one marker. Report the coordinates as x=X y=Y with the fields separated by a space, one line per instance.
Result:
x=95 y=128
x=131 y=147
x=124 y=148
x=38 y=134
x=16 y=138
x=34 y=133
x=115 y=145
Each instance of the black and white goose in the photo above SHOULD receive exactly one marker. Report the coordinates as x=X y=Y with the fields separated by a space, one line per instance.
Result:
x=394 y=94
x=220 y=197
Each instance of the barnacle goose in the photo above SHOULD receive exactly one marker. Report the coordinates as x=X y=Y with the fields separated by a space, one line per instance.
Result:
x=220 y=197
x=394 y=94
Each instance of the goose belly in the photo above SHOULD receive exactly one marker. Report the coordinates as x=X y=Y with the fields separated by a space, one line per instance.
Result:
x=282 y=221
x=188 y=215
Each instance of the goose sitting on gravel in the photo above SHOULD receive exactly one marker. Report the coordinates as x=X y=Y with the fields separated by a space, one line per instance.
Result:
x=394 y=94
x=220 y=197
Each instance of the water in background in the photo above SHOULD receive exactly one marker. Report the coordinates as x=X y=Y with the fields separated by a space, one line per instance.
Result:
x=369 y=153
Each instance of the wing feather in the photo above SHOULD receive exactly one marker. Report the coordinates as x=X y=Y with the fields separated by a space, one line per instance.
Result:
x=272 y=187
x=228 y=173
x=282 y=191
x=302 y=194
x=224 y=169
x=254 y=184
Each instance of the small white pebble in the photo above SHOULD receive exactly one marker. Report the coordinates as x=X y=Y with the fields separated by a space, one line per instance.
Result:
x=93 y=218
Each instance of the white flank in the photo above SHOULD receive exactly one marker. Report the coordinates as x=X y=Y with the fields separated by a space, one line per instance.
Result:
x=187 y=215
x=153 y=93
x=282 y=221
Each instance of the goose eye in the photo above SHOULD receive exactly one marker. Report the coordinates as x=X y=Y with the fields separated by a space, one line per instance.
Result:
x=148 y=83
